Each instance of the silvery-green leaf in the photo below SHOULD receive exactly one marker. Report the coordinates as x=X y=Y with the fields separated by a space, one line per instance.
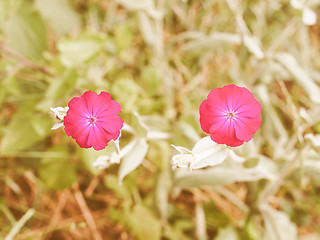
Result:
x=189 y=131
x=127 y=128
x=163 y=187
x=305 y=115
x=315 y=139
x=235 y=157
x=105 y=161
x=208 y=153
x=153 y=135
x=300 y=75
x=200 y=222
x=147 y=28
x=311 y=165
x=115 y=144
x=59 y=112
x=277 y=224
x=280 y=133
x=126 y=149
x=181 y=150
x=140 y=128
x=133 y=158
x=57 y=125
x=182 y=161
x=215 y=40
x=218 y=176
x=254 y=46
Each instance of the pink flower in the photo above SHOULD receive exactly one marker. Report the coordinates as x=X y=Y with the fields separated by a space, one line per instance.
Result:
x=231 y=115
x=92 y=120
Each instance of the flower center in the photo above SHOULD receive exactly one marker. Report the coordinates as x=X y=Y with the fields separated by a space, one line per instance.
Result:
x=231 y=115
x=93 y=119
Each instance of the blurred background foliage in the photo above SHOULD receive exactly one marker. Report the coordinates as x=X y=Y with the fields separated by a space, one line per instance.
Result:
x=160 y=59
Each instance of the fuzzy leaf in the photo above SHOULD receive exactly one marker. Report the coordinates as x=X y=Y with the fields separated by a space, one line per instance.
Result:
x=217 y=176
x=277 y=225
x=133 y=159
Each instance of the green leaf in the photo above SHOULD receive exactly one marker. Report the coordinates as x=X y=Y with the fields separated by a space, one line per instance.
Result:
x=57 y=173
x=123 y=36
x=156 y=123
x=172 y=233
x=251 y=162
x=250 y=231
x=226 y=234
x=121 y=190
x=144 y=224
x=79 y=50
x=59 y=14
x=133 y=159
x=127 y=92
x=25 y=130
x=151 y=77
x=133 y=5
x=26 y=33
x=7 y=7
x=88 y=157
x=58 y=89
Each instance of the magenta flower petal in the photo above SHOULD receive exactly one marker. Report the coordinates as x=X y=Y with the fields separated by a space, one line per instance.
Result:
x=96 y=103
x=79 y=106
x=110 y=123
x=114 y=108
x=246 y=127
x=231 y=115
x=225 y=135
x=92 y=120
x=210 y=116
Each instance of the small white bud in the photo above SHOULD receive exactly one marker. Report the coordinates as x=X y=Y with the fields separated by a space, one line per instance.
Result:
x=309 y=17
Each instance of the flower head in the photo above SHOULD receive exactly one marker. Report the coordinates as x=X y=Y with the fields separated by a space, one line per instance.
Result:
x=231 y=115
x=92 y=120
